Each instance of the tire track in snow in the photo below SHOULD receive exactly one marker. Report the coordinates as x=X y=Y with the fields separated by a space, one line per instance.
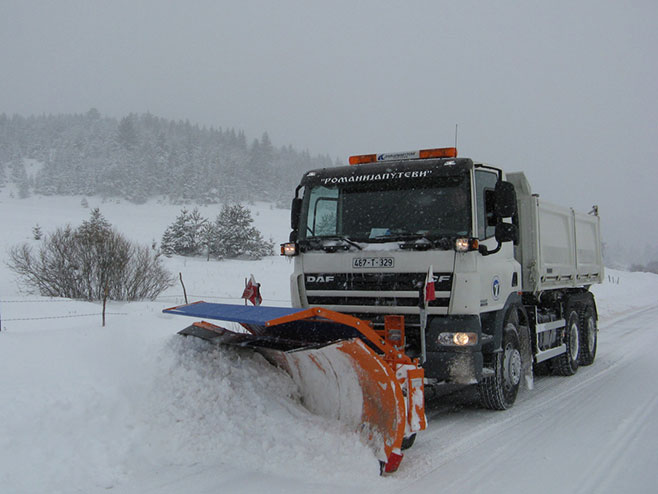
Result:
x=618 y=446
x=466 y=431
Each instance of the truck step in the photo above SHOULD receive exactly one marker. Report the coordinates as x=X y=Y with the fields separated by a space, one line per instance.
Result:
x=547 y=326
x=553 y=352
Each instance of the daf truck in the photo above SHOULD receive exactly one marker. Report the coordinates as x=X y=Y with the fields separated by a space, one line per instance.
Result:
x=510 y=273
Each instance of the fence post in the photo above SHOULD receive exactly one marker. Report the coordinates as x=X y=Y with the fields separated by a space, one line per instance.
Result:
x=180 y=275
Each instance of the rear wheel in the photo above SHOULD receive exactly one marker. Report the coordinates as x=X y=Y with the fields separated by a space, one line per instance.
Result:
x=588 y=336
x=567 y=363
x=498 y=392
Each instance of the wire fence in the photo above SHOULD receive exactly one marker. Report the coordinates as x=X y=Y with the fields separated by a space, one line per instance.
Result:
x=161 y=298
x=96 y=314
x=49 y=317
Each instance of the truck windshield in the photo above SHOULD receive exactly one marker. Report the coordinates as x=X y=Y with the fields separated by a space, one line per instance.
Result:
x=380 y=212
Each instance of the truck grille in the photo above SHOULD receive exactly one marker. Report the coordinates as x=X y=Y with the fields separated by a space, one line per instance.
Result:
x=375 y=281
x=331 y=290
x=374 y=301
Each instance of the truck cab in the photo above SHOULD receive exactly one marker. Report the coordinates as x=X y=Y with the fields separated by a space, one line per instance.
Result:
x=364 y=238
x=509 y=275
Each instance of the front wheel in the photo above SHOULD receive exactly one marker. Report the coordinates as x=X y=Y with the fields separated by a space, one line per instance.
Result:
x=498 y=392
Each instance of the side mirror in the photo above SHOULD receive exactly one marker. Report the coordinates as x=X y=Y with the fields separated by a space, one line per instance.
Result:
x=505 y=201
x=295 y=211
x=506 y=232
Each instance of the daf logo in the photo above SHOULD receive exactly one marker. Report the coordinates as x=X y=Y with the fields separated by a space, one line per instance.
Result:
x=495 y=288
x=444 y=277
x=319 y=278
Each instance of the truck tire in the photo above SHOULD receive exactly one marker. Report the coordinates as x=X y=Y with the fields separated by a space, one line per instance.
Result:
x=498 y=392
x=408 y=441
x=567 y=363
x=588 y=336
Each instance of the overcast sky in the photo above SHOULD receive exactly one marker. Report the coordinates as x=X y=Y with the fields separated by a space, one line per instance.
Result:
x=563 y=90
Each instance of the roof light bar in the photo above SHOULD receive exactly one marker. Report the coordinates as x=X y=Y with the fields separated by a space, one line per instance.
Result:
x=405 y=155
x=364 y=158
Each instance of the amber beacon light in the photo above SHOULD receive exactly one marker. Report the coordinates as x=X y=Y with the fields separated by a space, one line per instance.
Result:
x=404 y=155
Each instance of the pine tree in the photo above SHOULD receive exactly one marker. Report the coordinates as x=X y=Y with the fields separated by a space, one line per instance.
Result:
x=167 y=243
x=184 y=236
x=196 y=225
x=207 y=236
x=235 y=237
x=19 y=177
x=96 y=227
x=175 y=239
x=126 y=133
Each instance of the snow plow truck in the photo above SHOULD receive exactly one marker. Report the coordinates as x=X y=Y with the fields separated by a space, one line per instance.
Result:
x=420 y=269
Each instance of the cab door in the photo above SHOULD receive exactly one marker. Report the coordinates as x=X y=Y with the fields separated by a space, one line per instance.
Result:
x=497 y=278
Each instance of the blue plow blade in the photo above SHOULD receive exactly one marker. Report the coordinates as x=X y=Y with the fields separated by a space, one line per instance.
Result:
x=256 y=318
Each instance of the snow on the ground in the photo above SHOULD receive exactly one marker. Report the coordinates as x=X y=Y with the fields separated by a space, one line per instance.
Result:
x=132 y=408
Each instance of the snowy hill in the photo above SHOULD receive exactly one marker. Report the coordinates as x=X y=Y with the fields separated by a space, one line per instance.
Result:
x=133 y=408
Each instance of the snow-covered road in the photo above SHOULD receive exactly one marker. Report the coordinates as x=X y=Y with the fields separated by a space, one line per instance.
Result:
x=591 y=432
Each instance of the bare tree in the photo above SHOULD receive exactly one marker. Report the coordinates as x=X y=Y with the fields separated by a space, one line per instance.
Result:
x=91 y=262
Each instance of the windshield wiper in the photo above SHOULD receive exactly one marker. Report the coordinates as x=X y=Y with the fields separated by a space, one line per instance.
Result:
x=333 y=243
x=396 y=237
x=420 y=241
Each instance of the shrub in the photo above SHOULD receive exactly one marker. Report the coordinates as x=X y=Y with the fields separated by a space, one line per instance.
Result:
x=85 y=262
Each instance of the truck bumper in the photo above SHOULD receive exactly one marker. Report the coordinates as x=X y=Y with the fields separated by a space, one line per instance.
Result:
x=454 y=367
x=451 y=364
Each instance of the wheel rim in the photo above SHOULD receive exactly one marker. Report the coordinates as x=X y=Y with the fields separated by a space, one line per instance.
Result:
x=591 y=334
x=573 y=341
x=512 y=369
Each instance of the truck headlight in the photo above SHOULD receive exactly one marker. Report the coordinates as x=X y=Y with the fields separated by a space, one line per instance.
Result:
x=458 y=339
x=466 y=244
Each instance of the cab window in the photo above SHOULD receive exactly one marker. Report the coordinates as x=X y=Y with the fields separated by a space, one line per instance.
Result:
x=485 y=184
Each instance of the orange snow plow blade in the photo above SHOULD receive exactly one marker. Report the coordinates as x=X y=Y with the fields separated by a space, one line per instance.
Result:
x=348 y=382
x=355 y=377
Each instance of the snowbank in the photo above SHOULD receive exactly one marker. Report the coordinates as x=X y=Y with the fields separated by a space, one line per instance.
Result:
x=132 y=406
x=622 y=293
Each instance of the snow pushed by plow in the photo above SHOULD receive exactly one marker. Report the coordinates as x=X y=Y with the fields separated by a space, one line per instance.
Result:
x=156 y=416
x=221 y=406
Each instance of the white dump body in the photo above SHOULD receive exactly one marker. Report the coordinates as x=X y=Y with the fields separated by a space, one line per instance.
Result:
x=558 y=247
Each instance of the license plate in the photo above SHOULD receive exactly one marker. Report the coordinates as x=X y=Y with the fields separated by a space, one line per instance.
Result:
x=373 y=262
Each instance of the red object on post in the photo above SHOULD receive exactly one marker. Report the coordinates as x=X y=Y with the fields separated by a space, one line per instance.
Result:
x=430 y=293
x=252 y=291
